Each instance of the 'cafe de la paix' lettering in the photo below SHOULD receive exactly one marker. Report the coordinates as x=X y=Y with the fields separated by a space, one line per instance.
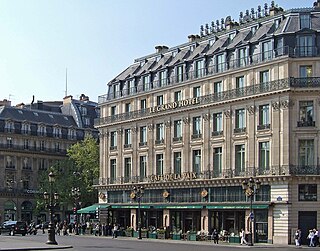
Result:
x=174 y=105
x=173 y=177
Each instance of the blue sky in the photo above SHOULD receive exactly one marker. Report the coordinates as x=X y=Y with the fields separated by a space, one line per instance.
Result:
x=95 y=40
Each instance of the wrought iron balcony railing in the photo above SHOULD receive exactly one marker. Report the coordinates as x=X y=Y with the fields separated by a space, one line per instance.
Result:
x=304 y=123
x=214 y=98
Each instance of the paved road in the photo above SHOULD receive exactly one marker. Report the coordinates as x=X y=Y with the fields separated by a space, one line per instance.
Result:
x=92 y=243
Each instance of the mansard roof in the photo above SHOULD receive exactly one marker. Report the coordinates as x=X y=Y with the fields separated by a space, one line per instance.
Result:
x=36 y=116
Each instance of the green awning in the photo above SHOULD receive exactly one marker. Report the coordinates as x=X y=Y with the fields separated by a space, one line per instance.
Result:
x=237 y=206
x=179 y=206
x=92 y=209
x=130 y=206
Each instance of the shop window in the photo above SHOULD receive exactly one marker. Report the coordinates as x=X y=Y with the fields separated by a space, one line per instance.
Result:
x=307 y=192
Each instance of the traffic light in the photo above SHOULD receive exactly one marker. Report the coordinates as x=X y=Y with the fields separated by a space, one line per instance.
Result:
x=74 y=210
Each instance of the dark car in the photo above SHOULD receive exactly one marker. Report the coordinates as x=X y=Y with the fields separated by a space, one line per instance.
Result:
x=13 y=227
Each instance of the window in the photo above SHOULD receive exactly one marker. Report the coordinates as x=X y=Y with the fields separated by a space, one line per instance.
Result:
x=10 y=162
x=9 y=126
x=127 y=138
x=160 y=133
x=277 y=23
x=305 y=48
x=159 y=164
x=254 y=29
x=42 y=145
x=221 y=63
x=127 y=169
x=264 y=156
x=113 y=170
x=143 y=104
x=308 y=192
x=196 y=91
x=240 y=125
x=127 y=107
x=26 y=163
x=264 y=117
x=199 y=69
x=217 y=161
x=242 y=57
x=145 y=83
x=26 y=143
x=196 y=127
x=264 y=76
x=177 y=162
x=25 y=128
x=240 y=159
x=179 y=73
x=56 y=146
x=131 y=87
x=56 y=132
x=72 y=134
x=266 y=51
x=217 y=87
x=306 y=152
x=113 y=110
x=305 y=71
x=113 y=140
x=217 y=124
x=196 y=161
x=42 y=164
x=143 y=167
x=83 y=110
x=160 y=100
x=177 y=130
x=162 y=78
x=177 y=96
x=9 y=142
x=143 y=136
x=306 y=114
x=240 y=82
x=42 y=130
x=305 y=21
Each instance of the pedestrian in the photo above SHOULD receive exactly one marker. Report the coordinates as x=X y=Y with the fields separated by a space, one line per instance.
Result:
x=311 y=238
x=243 y=237
x=215 y=236
x=297 y=237
x=316 y=237
x=115 y=231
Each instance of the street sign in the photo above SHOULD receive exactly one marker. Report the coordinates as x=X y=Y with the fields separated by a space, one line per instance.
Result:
x=251 y=215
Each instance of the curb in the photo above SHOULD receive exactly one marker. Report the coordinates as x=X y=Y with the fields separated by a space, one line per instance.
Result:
x=38 y=248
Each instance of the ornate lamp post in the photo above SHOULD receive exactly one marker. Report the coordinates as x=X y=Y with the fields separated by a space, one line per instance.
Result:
x=138 y=192
x=75 y=192
x=250 y=188
x=51 y=200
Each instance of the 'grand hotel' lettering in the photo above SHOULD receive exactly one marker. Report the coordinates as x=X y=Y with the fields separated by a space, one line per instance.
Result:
x=174 y=105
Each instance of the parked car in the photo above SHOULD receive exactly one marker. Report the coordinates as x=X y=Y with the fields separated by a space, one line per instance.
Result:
x=13 y=227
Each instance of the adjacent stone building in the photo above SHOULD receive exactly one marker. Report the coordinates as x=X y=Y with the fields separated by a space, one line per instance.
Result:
x=191 y=123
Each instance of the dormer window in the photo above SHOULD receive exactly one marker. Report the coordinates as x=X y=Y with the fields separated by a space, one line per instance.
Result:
x=83 y=110
x=56 y=132
x=41 y=130
x=25 y=128
x=9 y=126
x=72 y=134
x=254 y=29
x=146 y=83
x=162 y=78
x=277 y=23
x=231 y=36
x=305 y=21
x=131 y=86
x=179 y=73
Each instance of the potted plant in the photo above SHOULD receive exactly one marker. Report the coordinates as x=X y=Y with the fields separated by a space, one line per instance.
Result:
x=191 y=235
x=161 y=233
x=176 y=234
x=144 y=233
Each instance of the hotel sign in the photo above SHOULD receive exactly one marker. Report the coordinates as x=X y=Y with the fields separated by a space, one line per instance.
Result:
x=173 y=177
x=174 y=105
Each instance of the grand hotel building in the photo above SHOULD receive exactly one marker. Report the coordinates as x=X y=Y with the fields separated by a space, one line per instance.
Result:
x=192 y=122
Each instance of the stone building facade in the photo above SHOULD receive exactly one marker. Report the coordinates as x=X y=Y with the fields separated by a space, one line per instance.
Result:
x=191 y=123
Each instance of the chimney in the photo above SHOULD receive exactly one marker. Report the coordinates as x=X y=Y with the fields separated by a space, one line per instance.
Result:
x=316 y=4
x=5 y=102
x=161 y=48
x=274 y=10
x=228 y=23
x=191 y=38
x=67 y=99
x=40 y=105
x=21 y=105
x=84 y=97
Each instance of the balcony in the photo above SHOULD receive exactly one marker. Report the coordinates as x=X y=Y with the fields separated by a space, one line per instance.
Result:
x=142 y=144
x=216 y=133
x=263 y=127
x=303 y=123
x=177 y=139
x=113 y=148
x=127 y=146
x=159 y=142
x=240 y=130
x=196 y=136
x=22 y=148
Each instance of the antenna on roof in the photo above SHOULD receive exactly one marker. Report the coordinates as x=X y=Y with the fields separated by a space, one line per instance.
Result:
x=66 y=91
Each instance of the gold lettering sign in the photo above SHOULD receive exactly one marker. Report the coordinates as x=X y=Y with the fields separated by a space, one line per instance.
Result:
x=173 y=177
x=174 y=105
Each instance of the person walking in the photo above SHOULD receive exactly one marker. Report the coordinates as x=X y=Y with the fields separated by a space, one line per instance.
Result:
x=297 y=237
x=311 y=238
x=115 y=231
x=243 y=237
x=215 y=236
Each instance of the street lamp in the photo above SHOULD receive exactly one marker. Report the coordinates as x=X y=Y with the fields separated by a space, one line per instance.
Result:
x=250 y=188
x=51 y=200
x=75 y=192
x=138 y=192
